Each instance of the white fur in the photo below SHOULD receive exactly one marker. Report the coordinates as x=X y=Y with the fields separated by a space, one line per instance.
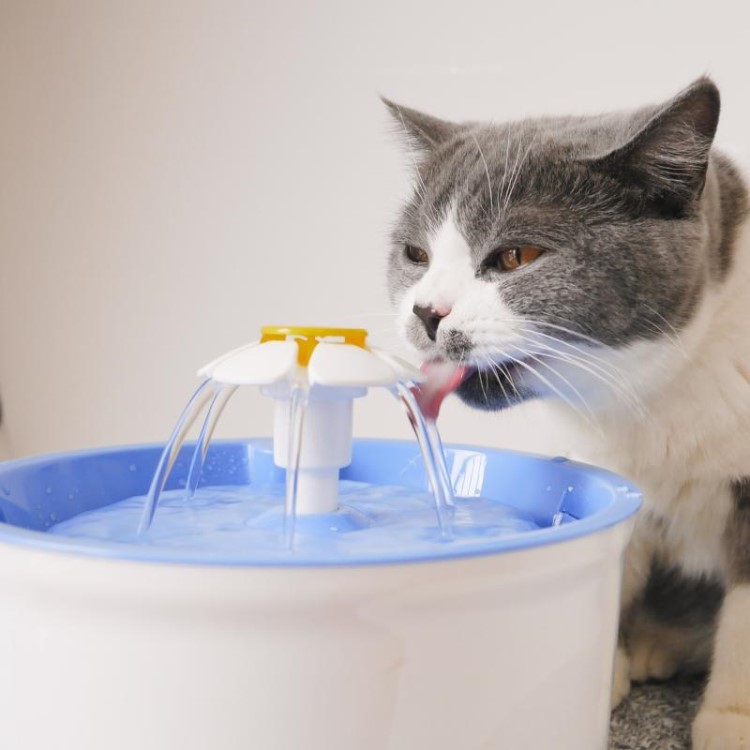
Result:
x=450 y=276
x=451 y=283
x=723 y=722
x=695 y=437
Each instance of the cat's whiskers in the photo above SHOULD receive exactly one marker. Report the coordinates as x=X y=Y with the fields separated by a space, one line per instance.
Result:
x=486 y=171
x=627 y=395
x=590 y=420
x=497 y=325
x=527 y=354
x=672 y=340
x=600 y=368
x=487 y=361
x=508 y=177
x=420 y=182
x=481 y=385
x=517 y=170
x=495 y=369
x=505 y=169
x=607 y=364
x=550 y=353
x=674 y=337
x=559 y=349
x=421 y=187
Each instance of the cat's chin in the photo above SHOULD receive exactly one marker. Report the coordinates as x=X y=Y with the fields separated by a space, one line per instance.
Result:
x=493 y=390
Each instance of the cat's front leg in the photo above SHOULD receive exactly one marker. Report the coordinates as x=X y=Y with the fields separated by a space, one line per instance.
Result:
x=639 y=557
x=723 y=722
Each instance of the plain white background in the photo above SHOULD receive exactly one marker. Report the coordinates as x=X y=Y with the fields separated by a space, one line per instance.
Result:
x=175 y=174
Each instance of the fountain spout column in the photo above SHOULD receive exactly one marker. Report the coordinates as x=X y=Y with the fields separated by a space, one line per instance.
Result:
x=326 y=443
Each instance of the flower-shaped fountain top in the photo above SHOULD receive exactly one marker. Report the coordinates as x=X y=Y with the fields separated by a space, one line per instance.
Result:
x=313 y=375
x=331 y=357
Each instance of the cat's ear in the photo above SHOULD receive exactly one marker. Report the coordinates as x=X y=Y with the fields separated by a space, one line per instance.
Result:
x=667 y=157
x=422 y=131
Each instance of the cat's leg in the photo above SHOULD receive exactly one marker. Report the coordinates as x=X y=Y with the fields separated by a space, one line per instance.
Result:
x=658 y=652
x=621 y=677
x=723 y=722
x=672 y=628
x=638 y=561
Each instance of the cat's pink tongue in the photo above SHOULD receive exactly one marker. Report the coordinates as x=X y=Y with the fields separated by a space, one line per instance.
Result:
x=442 y=379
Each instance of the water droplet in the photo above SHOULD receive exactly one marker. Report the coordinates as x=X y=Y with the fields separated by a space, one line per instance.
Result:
x=132 y=467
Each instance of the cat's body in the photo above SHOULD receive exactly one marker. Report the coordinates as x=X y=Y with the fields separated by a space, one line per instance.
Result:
x=605 y=262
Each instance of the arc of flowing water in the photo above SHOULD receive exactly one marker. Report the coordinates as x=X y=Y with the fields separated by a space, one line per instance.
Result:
x=222 y=394
x=436 y=443
x=169 y=455
x=433 y=457
x=288 y=362
x=298 y=406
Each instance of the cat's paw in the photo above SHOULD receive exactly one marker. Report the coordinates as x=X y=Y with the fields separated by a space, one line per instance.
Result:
x=717 y=729
x=621 y=678
x=651 y=659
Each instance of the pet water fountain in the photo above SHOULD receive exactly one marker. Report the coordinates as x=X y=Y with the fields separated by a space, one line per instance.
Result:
x=310 y=592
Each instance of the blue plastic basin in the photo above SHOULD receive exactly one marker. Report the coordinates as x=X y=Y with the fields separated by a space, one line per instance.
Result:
x=37 y=493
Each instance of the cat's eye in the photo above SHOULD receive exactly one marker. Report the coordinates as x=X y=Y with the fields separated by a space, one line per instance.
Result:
x=511 y=258
x=416 y=255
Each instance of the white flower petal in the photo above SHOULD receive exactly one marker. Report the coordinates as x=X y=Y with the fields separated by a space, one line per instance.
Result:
x=349 y=365
x=207 y=370
x=264 y=364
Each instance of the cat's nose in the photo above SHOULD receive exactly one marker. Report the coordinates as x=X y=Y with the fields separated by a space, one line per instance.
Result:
x=430 y=317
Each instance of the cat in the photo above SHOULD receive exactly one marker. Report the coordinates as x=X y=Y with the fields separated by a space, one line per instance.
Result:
x=604 y=263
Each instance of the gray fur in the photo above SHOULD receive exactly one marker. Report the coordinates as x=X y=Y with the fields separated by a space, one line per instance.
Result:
x=672 y=598
x=678 y=612
x=738 y=534
x=635 y=211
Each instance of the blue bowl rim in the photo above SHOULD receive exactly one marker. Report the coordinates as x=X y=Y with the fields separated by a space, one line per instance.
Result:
x=626 y=503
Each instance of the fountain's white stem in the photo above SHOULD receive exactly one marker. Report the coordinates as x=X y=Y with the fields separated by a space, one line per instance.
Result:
x=326 y=448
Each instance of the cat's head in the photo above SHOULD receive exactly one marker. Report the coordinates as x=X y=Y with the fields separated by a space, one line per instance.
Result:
x=536 y=251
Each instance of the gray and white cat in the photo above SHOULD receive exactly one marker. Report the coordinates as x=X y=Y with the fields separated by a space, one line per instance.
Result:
x=605 y=262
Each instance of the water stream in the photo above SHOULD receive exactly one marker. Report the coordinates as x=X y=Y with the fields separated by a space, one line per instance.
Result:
x=297 y=407
x=217 y=397
x=432 y=455
x=221 y=397
x=194 y=407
